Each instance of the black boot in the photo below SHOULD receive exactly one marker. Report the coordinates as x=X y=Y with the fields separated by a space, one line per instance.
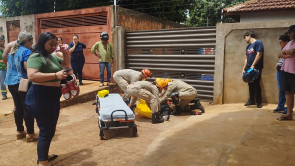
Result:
x=250 y=102
x=157 y=118
x=199 y=105
x=165 y=111
x=177 y=110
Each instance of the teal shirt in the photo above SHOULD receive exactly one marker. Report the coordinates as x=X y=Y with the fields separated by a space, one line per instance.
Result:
x=2 y=65
x=105 y=54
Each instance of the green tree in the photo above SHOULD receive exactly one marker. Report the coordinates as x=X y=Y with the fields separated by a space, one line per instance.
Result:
x=208 y=12
x=174 y=10
x=11 y=8
x=201 y=12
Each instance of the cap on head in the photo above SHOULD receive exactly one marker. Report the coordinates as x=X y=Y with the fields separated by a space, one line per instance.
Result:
x=291 y=28
x=24 y=36
x=104 y=36
x=146 y=72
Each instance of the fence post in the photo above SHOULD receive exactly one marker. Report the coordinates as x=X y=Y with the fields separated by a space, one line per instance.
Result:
x=119 y=47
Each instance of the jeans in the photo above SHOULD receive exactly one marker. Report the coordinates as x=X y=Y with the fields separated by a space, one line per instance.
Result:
x=282 y=97
x=77 y=68
x=43 y=102
x=2 y=78
x=108 y=66
x=255 y=90
x=21 y=113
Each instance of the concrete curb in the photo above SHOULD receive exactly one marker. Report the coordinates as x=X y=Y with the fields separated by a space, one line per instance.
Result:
x=88 y=96
x=82 y=98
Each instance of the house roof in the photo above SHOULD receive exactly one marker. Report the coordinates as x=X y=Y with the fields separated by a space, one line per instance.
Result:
x=260 y=5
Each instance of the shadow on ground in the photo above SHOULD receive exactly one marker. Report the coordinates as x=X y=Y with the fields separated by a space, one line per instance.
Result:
x=234 y=138
x=76 y=158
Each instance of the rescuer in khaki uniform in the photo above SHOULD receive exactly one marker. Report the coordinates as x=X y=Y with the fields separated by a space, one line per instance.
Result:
x=127 y=76
x=179 y=91
x=148 y=92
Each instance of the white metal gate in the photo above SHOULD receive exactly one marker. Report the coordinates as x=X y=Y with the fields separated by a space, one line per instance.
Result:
x=187 y=54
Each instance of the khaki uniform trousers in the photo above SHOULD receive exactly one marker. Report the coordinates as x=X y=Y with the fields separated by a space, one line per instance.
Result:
x=137 y=92
x=122 y=83
x=186 y=97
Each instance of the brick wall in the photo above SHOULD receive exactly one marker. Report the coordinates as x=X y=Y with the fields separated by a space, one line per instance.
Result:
x=134 y=21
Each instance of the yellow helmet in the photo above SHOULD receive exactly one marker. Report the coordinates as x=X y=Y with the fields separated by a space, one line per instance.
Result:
x=168 y=80
x=161 y=83
x=158 y=79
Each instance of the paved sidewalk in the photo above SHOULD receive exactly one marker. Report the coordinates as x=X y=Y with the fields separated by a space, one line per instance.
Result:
x=87 y=92
x=6 y=106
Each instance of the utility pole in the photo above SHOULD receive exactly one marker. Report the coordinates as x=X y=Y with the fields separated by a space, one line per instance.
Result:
x=54 y=3
x=222 y=12
x=115 y=4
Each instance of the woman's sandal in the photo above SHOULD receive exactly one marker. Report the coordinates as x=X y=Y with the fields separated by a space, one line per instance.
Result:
x=31 y=137
x=284 y=118
x=53 y=157
x=21 y=135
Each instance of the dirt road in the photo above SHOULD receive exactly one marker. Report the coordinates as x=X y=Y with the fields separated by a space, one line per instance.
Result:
x=226 y=135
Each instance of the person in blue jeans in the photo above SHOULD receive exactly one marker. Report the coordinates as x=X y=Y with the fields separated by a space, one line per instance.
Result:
x=25 y=42
x=77 y=57
x=2 y=69
x=283 y=40
x=12 y=81
x=103 y=50
x=45 y=70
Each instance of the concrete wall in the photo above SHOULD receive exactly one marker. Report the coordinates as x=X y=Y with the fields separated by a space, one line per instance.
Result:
x=118 y=35
x=27 y=23
x=230 y=57
x=267 y=16
x=134 y=21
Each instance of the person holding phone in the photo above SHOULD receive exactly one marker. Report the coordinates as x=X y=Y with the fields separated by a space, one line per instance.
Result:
x=45 y=71
x=77 y=57
x=60 y=44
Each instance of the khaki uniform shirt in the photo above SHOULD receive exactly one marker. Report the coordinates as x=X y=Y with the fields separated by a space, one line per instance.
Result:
x=176 y=86
x=128 y=75
x=146 y=86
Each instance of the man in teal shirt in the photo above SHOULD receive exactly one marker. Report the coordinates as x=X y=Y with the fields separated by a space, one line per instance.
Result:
x=103 y=50
x=2 y=69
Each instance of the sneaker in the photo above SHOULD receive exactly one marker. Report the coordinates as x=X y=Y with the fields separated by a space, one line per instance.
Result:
x=105 y=83
x=249 y=102
x=73 y=86
x=278 y=110
x=4 y=97
x=65 y=91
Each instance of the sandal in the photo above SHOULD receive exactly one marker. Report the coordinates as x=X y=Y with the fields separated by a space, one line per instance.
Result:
x=21 y=135
x=31 y=137
x=53 y=157
x=284 y=118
